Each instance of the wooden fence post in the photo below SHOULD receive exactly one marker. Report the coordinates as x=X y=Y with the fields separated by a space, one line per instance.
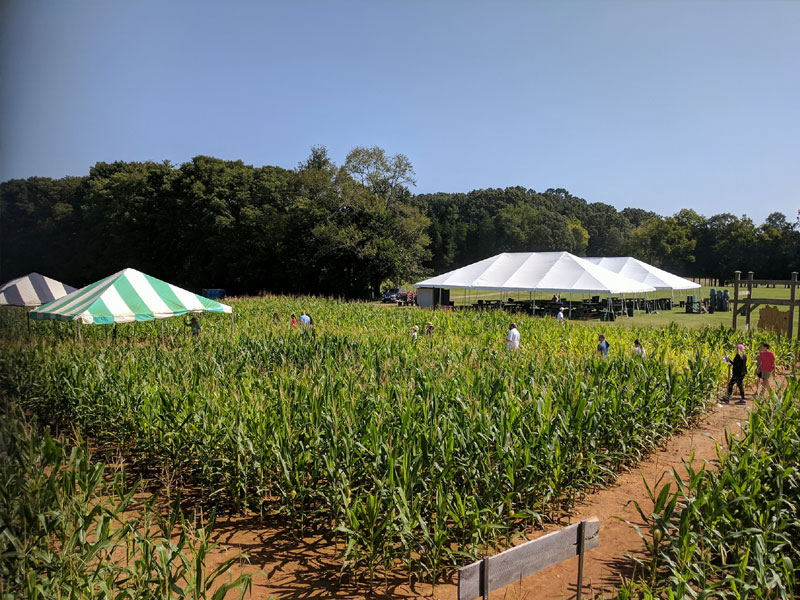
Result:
x=581 y=535
x=749 y=298
x=485 y=578
x=793 y=284
x=737 y=275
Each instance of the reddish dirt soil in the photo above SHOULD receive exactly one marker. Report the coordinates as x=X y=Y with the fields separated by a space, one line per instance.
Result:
x=295 y=569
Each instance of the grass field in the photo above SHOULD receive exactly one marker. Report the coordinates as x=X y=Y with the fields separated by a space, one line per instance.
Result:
x=663 y=318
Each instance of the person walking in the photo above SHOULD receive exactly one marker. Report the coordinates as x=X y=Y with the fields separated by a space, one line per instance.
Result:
x=414 y=332
x=276 y=318
x=765 y=365
x=294 y=321
x=638 y=348
x=738 y=371
x=305 y=320
x=512 y=339
x=429 y=329
x=194 y=324
x=603 y=345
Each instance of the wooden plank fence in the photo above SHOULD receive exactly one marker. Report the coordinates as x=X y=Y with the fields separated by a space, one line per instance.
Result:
x=494 y=572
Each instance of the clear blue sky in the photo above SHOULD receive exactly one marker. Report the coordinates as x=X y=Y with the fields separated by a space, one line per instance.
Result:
x=657 y=105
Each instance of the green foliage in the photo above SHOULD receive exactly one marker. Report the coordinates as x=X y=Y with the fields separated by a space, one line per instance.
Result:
x=730 y=531
x=340 y=231
x=414 y=455
x=69 y=529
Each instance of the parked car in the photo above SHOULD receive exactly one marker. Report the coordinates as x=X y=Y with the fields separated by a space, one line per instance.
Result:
x=394 y=295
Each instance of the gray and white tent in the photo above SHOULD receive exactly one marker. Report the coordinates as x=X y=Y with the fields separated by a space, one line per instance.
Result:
x=32 y=290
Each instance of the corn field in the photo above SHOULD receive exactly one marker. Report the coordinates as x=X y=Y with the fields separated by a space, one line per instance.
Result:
x=732 y=532
x=70 y=529
x=411 y=455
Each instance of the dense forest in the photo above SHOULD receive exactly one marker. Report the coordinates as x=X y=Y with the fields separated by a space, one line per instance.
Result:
x=341 y=230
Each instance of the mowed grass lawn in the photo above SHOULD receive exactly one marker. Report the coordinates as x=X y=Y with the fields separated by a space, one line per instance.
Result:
x=660 y=319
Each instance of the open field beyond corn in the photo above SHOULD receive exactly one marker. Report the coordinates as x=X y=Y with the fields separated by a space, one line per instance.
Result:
x=413 y=456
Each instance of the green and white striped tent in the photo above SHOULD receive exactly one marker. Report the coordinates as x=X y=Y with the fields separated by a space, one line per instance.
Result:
x=124 y=297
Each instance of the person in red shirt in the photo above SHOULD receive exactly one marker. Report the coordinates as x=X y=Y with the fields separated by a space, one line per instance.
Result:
x=765 y=364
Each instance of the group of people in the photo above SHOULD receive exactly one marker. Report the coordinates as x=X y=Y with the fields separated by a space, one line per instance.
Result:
x=512 y=342
x=415 y=331
x=765 y=370
x=305 y=320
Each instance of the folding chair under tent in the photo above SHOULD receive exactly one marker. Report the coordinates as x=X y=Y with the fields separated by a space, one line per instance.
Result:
x=32 y=289
x=125 y=297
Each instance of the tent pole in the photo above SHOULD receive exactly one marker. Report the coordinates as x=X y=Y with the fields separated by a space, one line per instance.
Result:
x=570 y=306
x=28 y=319
x=78 y=329
x=162 y=331
x=533 y=307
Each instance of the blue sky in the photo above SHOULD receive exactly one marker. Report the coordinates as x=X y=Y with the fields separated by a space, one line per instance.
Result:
x=657 y=105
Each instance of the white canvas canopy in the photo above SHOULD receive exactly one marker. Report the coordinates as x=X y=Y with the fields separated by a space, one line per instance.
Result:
x=641 y=271
x=537 y=272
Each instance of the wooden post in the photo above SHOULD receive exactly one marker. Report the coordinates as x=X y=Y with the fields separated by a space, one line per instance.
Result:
x=749 y=298
x=485 y=578
x=581 y=535
x=737 y=275
x=793 y=284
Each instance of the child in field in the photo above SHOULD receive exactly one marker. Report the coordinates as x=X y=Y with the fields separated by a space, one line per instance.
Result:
x=738 y=371
x=195 y=325
x=638 y=348
x=276 y=318
x=765 y=364
x=603 y=345
x=429 y=329
x=414 y=331
x=560 y=315
x=294 y=321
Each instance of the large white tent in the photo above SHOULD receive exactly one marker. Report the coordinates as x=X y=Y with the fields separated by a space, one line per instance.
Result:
x=537 y=272
x=644 y=273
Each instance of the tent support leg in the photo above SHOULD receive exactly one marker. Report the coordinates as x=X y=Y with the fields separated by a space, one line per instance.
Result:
x=29 y=324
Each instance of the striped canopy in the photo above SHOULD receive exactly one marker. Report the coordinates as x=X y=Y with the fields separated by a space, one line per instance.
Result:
x=127 y=296
x=32 y=290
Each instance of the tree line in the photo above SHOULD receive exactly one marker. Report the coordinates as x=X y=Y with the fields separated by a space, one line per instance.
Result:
x=340 y=230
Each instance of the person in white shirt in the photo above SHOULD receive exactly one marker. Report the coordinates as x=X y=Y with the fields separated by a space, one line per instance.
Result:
x=414 y=331
x=305 y=320
x=638 y=348
x=560 y=315
x=512 y=339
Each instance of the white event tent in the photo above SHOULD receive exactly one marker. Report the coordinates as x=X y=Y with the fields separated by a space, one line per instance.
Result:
x=537 y=272
x=646 y=273
x=643 y=272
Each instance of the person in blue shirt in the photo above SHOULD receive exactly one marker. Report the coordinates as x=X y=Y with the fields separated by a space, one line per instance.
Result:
x=603 y=345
